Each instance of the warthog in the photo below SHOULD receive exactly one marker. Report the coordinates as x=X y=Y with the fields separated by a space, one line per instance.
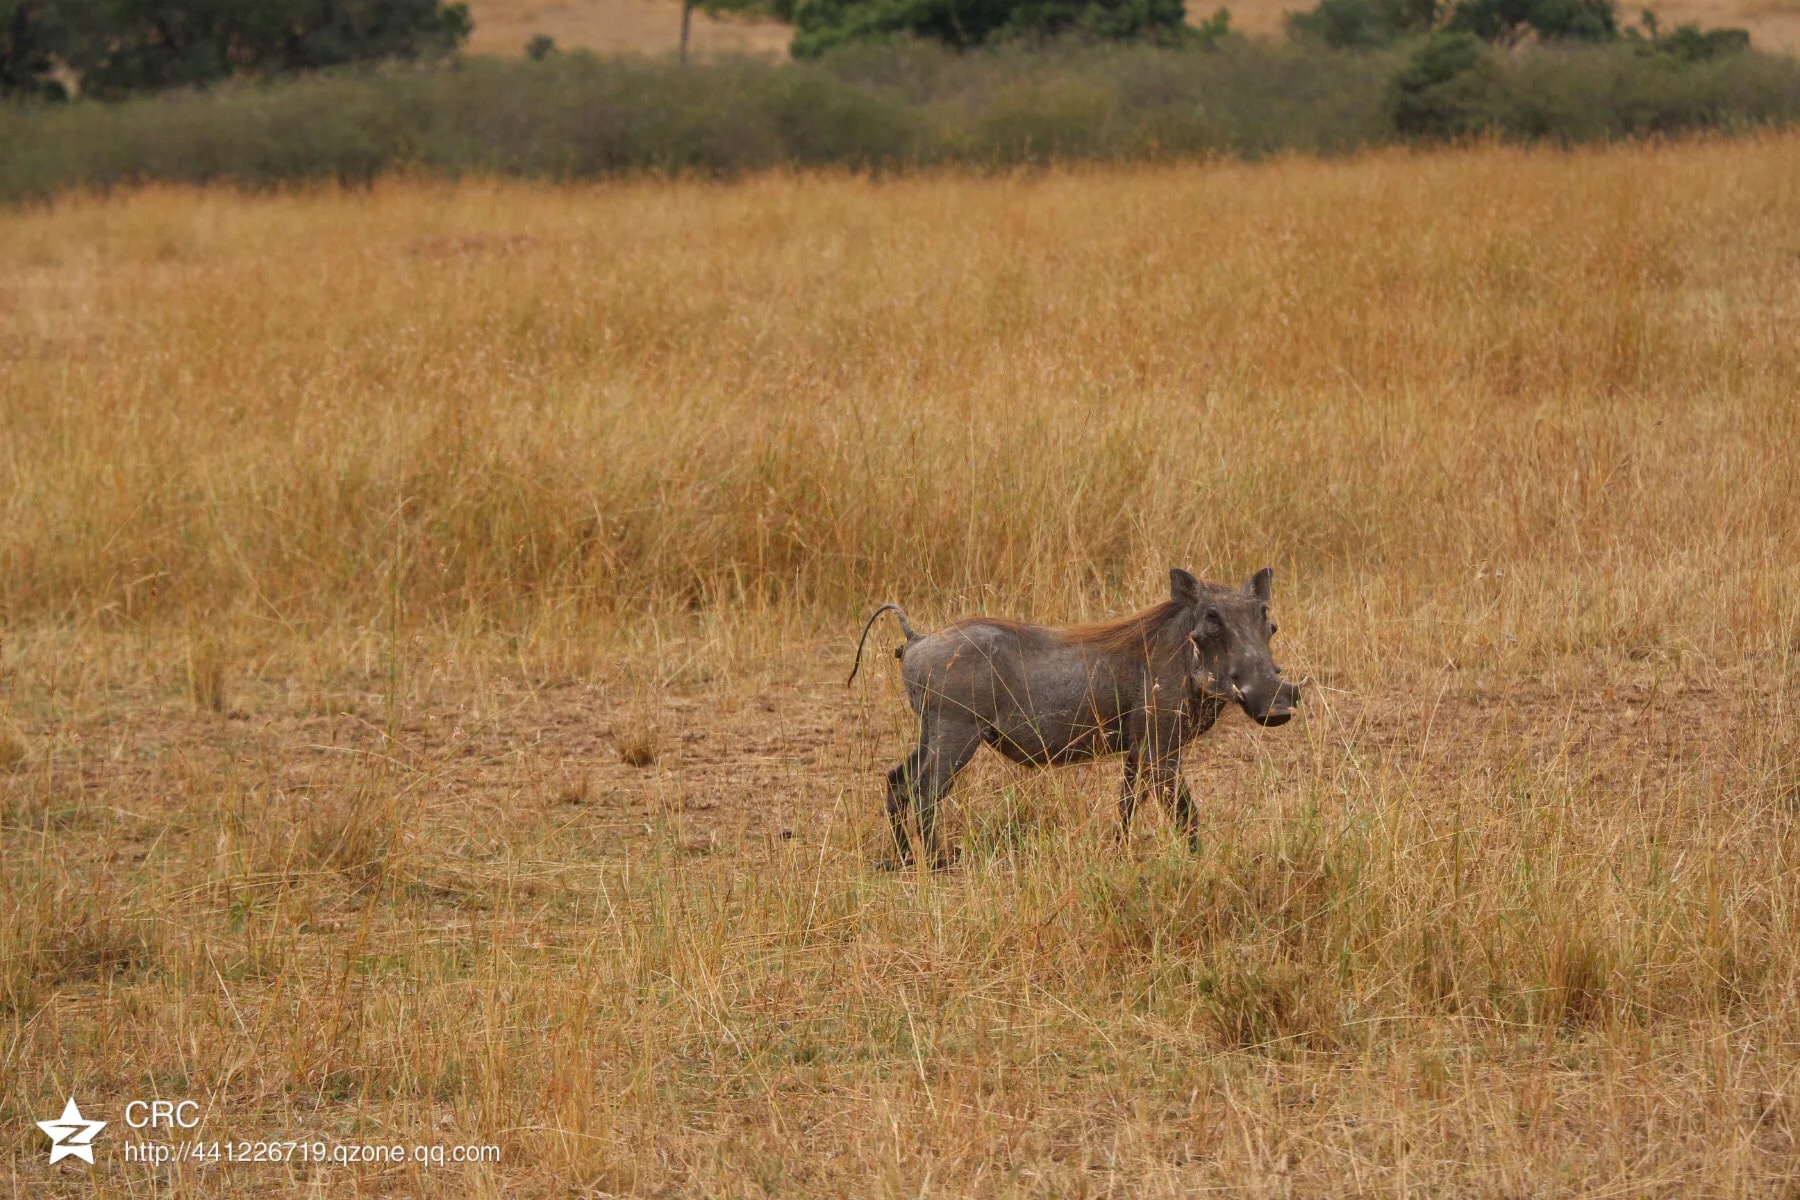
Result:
x=1143 y=685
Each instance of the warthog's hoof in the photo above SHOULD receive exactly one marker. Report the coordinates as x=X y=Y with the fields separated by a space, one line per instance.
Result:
x=939 y=862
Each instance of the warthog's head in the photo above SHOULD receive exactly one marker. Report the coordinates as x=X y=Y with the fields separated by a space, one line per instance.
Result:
x=1228 y=645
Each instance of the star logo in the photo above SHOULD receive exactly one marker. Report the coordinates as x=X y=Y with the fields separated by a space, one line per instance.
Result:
x=71 y=1134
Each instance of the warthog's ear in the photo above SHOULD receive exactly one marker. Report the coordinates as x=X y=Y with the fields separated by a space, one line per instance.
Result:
x=1259 y=584
x=1183 y=588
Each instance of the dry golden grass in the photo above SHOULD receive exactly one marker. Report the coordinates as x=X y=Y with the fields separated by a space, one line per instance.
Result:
x=620 y=27
x=351 y=539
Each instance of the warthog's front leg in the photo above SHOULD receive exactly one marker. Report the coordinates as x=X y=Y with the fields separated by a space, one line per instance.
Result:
x=1128 y=793
x=1153 y=764
x=1185 y=811
x=1171 y=788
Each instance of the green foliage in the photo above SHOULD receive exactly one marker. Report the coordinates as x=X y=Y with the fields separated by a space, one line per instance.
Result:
x=1578 y=94
x=1454 y=85
x=822 y=25
x=1213 y=30
x=540 y=45
x=877 y=107
x=1363 y=23
x=1688 y=43
x=1508 y=22
x=1359 y=24
x=27 y=49
x=118 y=47
x=1443 y=88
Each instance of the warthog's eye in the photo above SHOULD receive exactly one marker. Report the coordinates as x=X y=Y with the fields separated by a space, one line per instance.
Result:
x=1274 y=629
x=1213 y=619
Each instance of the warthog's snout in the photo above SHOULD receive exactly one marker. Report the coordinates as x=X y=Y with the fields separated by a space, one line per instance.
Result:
x=1277 y=708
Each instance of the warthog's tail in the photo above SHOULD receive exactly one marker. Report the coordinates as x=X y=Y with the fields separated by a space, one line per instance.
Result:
x=912 y=635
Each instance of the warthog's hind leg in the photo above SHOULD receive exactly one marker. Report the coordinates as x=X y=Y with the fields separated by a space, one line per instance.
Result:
x=923 y=779
x=899 y=798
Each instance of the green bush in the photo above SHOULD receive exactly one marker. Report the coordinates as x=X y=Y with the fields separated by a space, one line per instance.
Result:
x=1690 y=43
x=878 y=108
x=1359 y=24
x=1350 y=24
x=1445 y=88
x=1507 y=22
x=822 y=25
x=1569 y=94
x=1574 y=95
x=117 y=47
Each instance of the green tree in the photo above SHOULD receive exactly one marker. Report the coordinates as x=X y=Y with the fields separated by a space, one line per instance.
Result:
x=1442 y=89
x=1689 y=43
x=1362 y=23
x=1354 y=24
x=26 y=49
x=1507 y=22
x=821 y=25
x=116 y=47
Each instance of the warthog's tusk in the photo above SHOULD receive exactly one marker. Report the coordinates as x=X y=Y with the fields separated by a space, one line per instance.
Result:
x=1237 y=693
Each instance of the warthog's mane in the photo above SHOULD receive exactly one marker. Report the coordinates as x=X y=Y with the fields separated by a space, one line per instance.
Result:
x=1132 y=633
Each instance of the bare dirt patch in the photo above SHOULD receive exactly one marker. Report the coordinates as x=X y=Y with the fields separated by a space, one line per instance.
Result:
x=323 y=910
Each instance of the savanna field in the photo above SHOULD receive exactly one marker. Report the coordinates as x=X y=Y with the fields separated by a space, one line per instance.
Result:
x=425 y=612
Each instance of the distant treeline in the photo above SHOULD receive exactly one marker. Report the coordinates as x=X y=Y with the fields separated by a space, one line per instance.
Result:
x=114 y=48
x=882 y=107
